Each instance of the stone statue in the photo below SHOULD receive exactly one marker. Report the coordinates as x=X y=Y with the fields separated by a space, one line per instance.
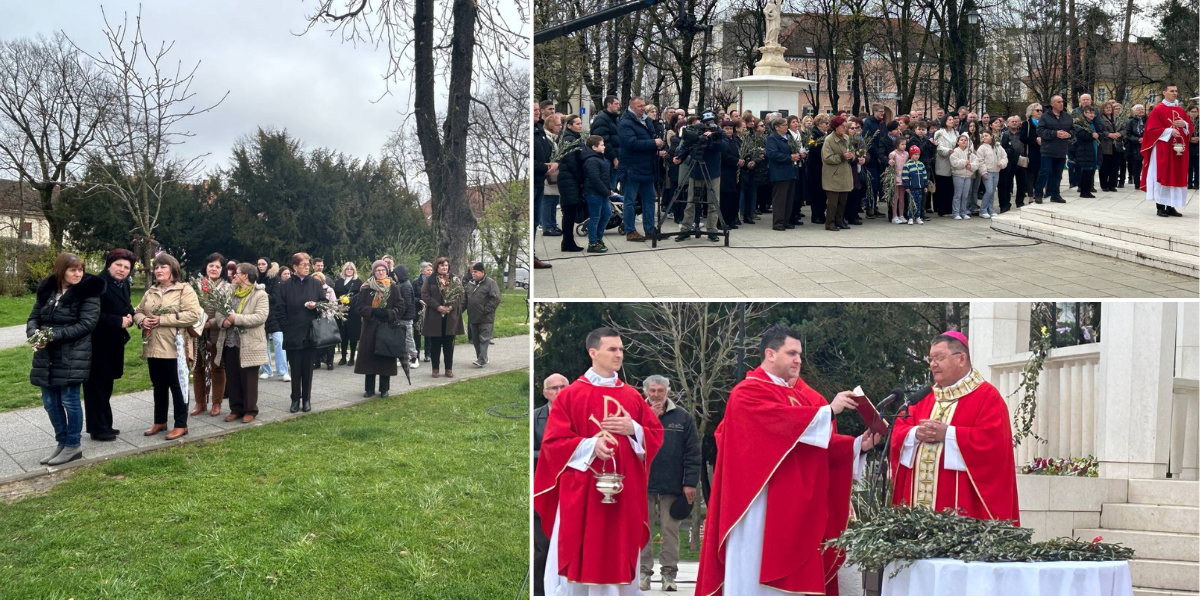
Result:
x=772 y=13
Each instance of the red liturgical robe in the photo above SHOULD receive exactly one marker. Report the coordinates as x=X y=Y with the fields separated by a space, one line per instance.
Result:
x=1164 y=173
x=597 y=543
x=986 y=486
x=807 y=499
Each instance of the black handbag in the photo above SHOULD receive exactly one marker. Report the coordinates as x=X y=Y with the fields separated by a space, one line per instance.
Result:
x=391 y=341
x=324 y=333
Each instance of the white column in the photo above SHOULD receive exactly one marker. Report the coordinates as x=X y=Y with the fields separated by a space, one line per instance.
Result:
x=997 y=329
x=1135 y=380
x=1187 y=341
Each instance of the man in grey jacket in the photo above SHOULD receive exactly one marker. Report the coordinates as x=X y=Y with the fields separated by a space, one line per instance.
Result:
x=482 y=298
x=553 y=384
x=674 y=472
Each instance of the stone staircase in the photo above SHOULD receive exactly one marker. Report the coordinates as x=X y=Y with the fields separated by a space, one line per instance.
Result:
x=1119 y=235
x=1161 y=522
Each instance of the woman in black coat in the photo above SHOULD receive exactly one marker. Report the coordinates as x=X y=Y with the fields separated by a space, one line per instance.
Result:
x=298 y=298
x=570 y=184
x=68 y=303
x=730 y=163
x=379 y=302
x=108 y=345
x=348 y=285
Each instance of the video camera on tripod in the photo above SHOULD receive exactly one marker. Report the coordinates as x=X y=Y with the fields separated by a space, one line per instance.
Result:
x=692 y=137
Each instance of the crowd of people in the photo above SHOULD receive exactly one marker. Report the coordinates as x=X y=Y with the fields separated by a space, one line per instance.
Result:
x=955 y=164
x=235 y=324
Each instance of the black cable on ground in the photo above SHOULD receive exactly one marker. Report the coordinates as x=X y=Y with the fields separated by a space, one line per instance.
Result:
x=1035 y=242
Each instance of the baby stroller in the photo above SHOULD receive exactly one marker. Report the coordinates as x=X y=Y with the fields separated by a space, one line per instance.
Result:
x=616 y=203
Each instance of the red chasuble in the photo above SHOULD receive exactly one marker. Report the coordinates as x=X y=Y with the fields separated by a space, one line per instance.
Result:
x=597 y=543
x=988 y=488
x=1172 y=168
x=808 y=500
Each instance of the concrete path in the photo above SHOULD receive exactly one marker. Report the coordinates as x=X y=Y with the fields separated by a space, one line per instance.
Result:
x=849 y=581
x=11 y=337
x=876 y=260
x=26 y=435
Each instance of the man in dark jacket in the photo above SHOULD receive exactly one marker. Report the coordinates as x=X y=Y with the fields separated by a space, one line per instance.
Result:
x=409 y=295
x=1014 y=148
x=1055 y=130
x=553 y=384
x=605 y=126
x=639 y=150
x=675 y=472
x=482 y=299
x=872 y=123
x=711 y=157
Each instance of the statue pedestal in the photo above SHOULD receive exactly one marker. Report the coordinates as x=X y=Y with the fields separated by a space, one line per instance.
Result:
x=772 y=62
x=762 y=92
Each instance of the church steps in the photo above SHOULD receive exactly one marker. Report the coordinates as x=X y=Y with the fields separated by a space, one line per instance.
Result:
x=1151 y=517
x=1109 y=224
x=1150 y=545
x=1166 y=574
x=1171 y=492
x=1182 y=263
x=1149 y=591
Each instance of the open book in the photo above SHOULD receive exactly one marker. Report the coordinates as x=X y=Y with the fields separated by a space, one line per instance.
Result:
x=867 y=411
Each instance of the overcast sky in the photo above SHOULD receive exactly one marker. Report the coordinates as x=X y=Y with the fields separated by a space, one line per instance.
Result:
x=315 y=86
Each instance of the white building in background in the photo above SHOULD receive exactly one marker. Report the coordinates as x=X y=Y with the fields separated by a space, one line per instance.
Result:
x=1130 y=399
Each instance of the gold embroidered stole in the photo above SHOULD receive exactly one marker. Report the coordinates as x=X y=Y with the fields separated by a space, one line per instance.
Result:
x=929 y=455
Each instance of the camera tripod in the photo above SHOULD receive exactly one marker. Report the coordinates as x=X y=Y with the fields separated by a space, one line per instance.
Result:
x=713 y=204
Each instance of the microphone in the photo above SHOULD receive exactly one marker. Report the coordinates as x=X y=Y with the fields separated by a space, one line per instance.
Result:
x=919 y=394
x=895 y=394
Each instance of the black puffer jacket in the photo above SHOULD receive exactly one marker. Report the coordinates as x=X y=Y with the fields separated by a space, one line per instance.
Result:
x=67 y=359
x=406 y=293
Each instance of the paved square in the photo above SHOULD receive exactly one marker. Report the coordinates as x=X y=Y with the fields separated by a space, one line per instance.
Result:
x=943 y=258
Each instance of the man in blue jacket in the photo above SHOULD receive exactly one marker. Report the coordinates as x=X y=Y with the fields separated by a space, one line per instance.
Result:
x=639 y=148
x=711 y=158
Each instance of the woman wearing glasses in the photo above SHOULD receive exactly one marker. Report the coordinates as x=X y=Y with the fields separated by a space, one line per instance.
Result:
x=1033 y=145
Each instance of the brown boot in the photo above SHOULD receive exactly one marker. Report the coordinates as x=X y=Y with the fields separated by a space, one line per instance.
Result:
x=155 y=429
x=216 y=410
x=231 y=417
x=177 y=433
x=435 y=374
x=449 y=373
x=247 y=418
x=201 y=406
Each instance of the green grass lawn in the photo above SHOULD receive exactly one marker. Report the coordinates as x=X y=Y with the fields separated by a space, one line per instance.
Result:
x=422 y=495
x=16 y=391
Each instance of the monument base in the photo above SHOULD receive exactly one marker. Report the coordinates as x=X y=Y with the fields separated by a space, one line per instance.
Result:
x=772 y=62
x=771 y=92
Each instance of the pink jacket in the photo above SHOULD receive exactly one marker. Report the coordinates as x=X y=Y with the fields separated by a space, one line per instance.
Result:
x=897 y=159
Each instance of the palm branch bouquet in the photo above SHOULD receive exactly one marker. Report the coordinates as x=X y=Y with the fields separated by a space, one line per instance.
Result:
x=41 y=337
x=214 y=297
x=562 y=150
x=332 y=310
x=752 y=149
x=452 y=294
x=160 y=310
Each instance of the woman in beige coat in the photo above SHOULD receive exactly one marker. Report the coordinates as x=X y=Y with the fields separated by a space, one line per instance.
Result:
x=243 y=343
x=836 y=176
x=165 y=313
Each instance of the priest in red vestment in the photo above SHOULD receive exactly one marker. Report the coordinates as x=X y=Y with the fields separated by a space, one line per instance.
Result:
x=954 y=449
x=596 y=425
x=1164 y=170
x=782 y=482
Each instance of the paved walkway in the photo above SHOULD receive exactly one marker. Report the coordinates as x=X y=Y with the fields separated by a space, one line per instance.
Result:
x=849 y=581
x=11 y=337
x=26 y=435
x=943 y=258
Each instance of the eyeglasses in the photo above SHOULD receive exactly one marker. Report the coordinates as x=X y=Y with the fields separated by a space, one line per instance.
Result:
x=1037 y=110
x=555 y=387
x=932 y=360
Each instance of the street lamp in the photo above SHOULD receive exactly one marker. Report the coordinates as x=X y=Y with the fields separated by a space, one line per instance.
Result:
x=973 y=20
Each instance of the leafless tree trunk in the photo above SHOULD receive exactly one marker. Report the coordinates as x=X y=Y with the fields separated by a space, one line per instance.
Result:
x=52 y=103
x=149 y=102
x=413 y=53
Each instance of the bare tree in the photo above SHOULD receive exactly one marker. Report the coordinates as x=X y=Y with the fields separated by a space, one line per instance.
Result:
x=403 y=152
x=51 y=106
x=149 y=101
x=471 y=34
x=906 y=44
